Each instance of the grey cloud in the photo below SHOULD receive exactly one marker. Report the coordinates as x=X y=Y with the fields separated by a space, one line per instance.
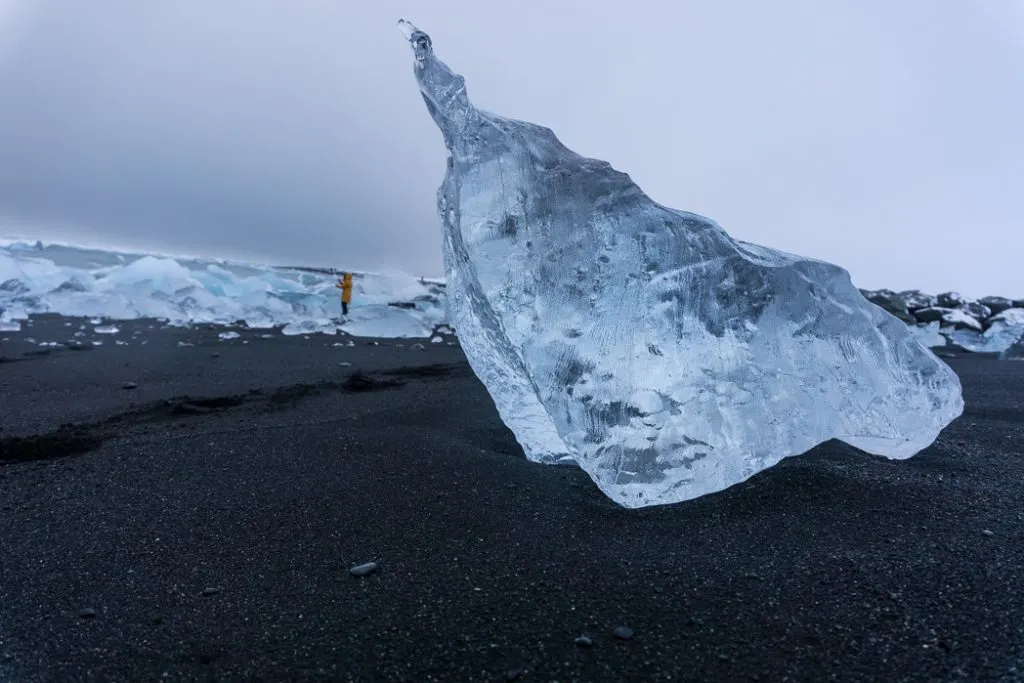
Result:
x=880 y=136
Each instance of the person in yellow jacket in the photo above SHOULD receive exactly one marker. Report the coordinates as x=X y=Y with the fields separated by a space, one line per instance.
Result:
x=345 y=285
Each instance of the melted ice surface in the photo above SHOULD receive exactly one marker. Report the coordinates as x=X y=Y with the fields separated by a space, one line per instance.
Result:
x=666 y=358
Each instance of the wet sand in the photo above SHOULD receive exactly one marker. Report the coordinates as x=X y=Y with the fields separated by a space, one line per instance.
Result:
x=201 y=525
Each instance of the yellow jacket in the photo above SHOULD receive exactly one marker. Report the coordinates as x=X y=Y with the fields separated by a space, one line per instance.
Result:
x=345 y=285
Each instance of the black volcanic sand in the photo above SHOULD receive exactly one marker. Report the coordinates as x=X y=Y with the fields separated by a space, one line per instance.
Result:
x=201 y=526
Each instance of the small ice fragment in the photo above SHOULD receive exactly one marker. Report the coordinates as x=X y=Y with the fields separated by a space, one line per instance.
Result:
x=307 y=327
x=106 y=329
x=228 y=335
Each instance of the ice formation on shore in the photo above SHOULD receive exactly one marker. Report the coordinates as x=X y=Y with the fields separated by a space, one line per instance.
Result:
x=75 y=281
x=667 y=359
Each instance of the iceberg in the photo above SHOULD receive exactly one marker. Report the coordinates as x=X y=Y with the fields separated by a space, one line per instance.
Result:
x=643 y=343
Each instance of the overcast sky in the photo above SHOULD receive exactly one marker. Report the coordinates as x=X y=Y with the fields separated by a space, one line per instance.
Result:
x=887 y=137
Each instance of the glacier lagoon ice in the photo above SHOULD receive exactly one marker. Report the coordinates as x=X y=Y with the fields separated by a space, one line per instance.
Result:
x=644 y=343
x=76 y=281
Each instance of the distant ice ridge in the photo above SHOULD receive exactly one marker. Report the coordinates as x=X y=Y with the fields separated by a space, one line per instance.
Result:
x=93 y=283
x=667 y=359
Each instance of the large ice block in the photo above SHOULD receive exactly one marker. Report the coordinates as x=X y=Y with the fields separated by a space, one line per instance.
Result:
x=664 y=357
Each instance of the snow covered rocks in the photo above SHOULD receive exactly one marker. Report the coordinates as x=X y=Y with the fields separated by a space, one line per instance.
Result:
x=644 y=343
x=988 y=325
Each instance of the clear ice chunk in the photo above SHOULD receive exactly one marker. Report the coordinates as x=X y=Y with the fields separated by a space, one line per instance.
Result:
x=1015 y=351
x=644 y=343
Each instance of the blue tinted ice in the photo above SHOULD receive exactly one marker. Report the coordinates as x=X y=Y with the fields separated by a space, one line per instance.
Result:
x=666 y=358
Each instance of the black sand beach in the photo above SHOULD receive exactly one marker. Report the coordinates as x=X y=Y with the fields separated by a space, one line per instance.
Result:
x=201 y=526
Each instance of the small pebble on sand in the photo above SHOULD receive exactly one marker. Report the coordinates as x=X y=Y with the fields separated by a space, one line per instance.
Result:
x=363 y=569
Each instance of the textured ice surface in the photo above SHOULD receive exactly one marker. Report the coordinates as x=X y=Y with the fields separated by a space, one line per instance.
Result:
x=666 y=358
x=118 y=286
